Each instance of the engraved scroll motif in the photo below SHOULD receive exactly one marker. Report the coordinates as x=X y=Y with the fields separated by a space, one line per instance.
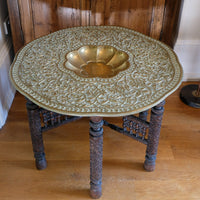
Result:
x=40 y=73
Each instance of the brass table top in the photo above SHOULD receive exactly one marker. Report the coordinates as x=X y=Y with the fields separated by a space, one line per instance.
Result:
x=96 y=71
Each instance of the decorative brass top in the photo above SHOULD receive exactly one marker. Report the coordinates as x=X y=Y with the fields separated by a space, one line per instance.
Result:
x=96 y=71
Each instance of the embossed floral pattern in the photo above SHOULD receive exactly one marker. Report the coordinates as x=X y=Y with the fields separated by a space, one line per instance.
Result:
x=40 y=73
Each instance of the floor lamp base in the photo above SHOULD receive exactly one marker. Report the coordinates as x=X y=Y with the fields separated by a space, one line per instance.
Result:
x=190 y=95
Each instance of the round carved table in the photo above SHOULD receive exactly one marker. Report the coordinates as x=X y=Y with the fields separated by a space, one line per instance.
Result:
x=96 y=72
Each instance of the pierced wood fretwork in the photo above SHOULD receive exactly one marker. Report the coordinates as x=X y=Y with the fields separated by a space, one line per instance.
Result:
x=51 y=120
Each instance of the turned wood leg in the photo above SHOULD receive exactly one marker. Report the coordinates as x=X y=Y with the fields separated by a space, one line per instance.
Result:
x=143 y=115
x=96 y=156
x=153 y=136
x=36 y=134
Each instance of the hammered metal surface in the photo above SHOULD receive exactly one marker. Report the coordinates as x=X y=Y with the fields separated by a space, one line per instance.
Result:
x=97 y=61
x=39 y=72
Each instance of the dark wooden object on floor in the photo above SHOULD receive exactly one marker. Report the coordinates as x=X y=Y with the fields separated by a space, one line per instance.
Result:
x=41 y=120
x=153 y=136
x=96 y=156
x=36 y=134
x=137 y=128
x=190 y=95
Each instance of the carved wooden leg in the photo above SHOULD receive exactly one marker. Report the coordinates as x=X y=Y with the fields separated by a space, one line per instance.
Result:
x=96 y=156
x=143 y=115
x=153 y=136
x=36 y=134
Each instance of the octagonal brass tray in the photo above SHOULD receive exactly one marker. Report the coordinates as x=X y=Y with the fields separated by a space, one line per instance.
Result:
x=96 y=71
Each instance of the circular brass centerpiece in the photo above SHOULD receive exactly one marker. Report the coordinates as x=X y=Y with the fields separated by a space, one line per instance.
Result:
x=97 y=61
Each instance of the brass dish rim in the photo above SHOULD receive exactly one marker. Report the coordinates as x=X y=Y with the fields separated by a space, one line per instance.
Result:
x=83 y=59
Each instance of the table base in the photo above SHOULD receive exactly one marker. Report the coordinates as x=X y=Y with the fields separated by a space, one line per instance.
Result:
x=138 y=128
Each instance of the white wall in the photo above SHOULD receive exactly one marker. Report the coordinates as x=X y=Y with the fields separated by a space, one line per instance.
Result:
x=188 y=43
x=6 y=54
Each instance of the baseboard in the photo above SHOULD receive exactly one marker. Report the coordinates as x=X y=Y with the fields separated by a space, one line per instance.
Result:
x=7 y=91
x=5 y=106
x=188 y=52
x=5 y=50
x=191 y=77
x=188 y=42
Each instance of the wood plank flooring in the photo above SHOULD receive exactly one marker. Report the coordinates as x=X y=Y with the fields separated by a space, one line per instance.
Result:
x=177 y=174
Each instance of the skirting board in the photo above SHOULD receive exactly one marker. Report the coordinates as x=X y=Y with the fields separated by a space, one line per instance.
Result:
x=191 y=77
x=188 y=52
x=7 y=91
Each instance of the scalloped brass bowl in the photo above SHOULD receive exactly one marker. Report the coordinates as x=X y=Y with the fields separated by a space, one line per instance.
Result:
x=97 y=61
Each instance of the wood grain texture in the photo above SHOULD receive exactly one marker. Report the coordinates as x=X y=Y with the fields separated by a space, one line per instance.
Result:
x=67 y=150
x=25 y=9
x=15 y=22
x=41 y=18
x=156 y=18
x=171 y=21
x=85 y=6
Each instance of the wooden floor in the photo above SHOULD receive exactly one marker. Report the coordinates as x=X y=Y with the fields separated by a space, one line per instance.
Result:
x=177 y=174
